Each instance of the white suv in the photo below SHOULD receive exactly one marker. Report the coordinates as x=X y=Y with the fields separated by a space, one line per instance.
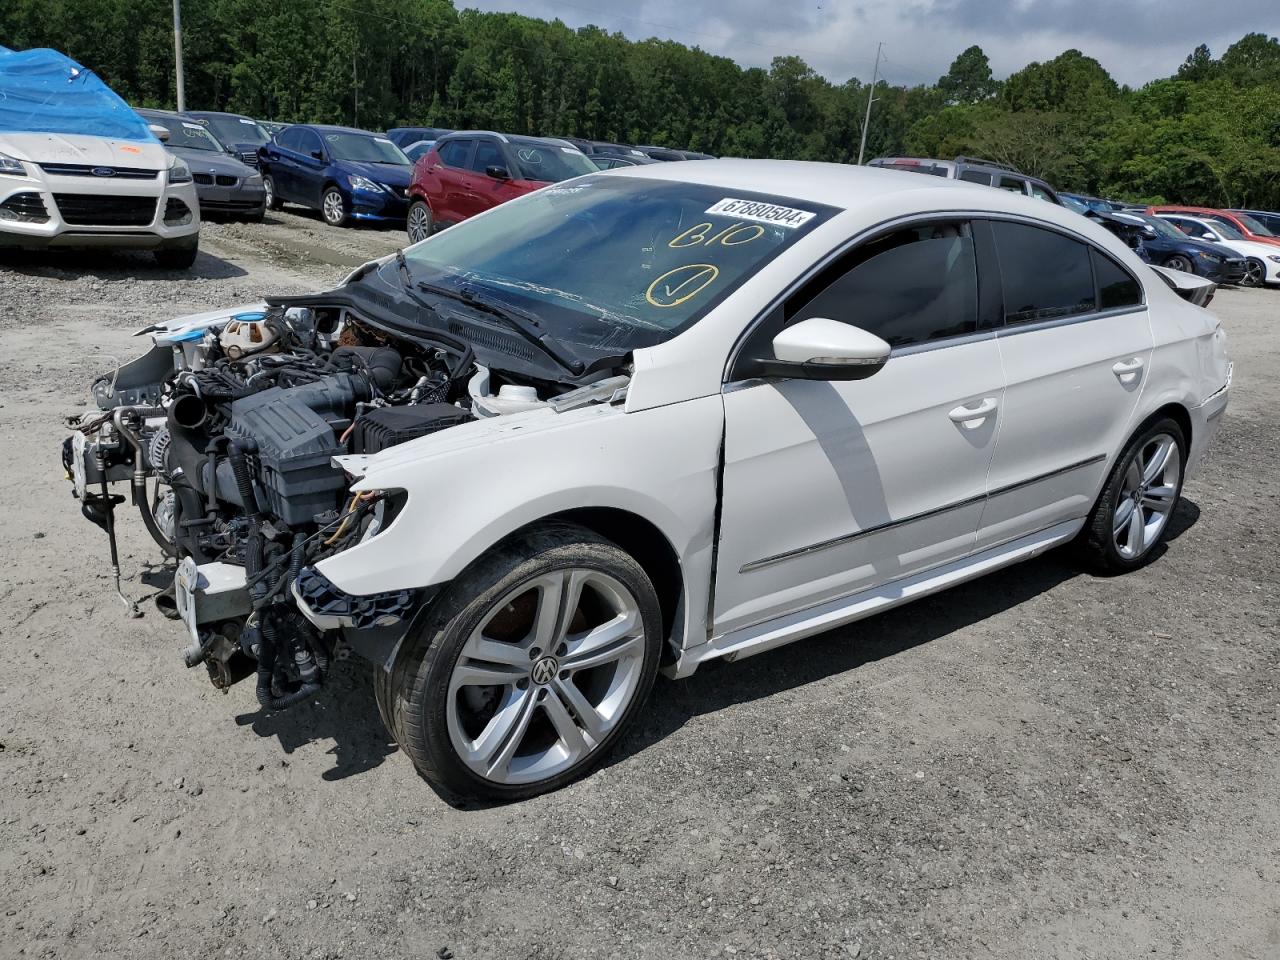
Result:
x=70 y=190
x=78 y=168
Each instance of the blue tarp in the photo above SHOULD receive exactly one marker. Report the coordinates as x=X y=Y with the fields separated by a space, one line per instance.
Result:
x=43 y=91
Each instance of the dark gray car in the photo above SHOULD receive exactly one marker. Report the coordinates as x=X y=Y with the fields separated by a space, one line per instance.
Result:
x=226 y=186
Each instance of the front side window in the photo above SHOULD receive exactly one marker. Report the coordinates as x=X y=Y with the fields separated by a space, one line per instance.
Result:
x=455 y=153
x=615 y=260
x=309 y=143
x=1012 y=184
x=488 y=154
x=1045 y=274
x=911 y=286
x=290 y=138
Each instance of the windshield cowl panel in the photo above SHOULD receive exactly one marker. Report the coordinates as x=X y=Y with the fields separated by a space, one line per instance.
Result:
x=612 y=264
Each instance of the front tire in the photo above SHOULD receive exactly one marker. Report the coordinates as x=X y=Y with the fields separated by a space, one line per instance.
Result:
x=1131 y=516
x=271 y=197
x=529 y=668
x=420 y=222
x=333 y=207
x=1179 y=262
x=1255 y=273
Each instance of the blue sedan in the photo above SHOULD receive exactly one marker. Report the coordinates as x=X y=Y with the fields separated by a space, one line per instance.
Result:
x=344 y=173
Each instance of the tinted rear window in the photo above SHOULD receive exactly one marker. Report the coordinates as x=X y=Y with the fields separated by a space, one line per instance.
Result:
x=1116 y=285
x=1045 y=275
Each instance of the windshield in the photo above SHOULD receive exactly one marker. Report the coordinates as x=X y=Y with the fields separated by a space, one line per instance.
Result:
x=1162 y=227
x=1254 y=226
x=364 y=148
x=236 y=130
x=184 y=133
x=1227 y=230
x=613 y=261
x=549 y=162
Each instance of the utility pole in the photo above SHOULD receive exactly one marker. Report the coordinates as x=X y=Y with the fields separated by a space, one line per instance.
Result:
x=355 y=92
x=177 y=53
x=871 y=98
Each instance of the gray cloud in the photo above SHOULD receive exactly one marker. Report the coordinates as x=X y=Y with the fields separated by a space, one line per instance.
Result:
x=1135 y=40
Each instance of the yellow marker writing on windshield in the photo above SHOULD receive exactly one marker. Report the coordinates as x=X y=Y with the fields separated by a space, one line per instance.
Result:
x=681 y=284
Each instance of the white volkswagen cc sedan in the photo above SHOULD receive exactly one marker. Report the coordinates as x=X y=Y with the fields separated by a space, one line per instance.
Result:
x=639 y=421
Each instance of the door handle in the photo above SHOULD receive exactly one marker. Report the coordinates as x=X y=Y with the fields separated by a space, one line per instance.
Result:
x=971 y=417
x=1127 y=370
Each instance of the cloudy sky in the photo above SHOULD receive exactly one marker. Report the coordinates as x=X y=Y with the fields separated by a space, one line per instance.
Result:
x=1136 y=40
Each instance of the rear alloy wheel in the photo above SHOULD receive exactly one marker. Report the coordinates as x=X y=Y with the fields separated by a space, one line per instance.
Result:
x=333 y=207
x=1255 y=274
x=1178 y=262
x=529 y=669
x=269 y=188
x=419 y=223
x=1132 y=514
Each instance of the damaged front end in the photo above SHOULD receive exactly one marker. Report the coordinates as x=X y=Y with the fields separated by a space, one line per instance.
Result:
x=241 y=434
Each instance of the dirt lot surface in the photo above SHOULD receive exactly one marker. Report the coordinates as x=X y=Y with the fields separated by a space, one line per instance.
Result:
x=1039 y=764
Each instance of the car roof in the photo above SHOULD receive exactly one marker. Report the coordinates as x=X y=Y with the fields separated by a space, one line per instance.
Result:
x=330 y=128
x=847 y=186
x=217 y=113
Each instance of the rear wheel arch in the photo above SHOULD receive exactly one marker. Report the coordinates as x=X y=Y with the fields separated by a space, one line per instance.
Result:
x=1176 y=412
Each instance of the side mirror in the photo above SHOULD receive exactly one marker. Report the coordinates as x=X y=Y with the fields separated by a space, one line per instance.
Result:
x=317 y=155
x=159 y=131
x=822 y=349
x=1208 y=236
x=498 y=173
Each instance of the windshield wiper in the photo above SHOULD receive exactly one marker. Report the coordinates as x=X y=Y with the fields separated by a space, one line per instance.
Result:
x=525 y=324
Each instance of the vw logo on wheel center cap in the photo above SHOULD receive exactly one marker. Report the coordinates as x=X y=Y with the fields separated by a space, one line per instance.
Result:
x=544 y=671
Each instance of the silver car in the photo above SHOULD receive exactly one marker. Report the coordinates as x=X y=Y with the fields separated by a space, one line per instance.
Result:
x=225 y=186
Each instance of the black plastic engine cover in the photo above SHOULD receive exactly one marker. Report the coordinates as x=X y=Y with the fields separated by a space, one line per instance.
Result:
x=295 y=446
x=388 y=426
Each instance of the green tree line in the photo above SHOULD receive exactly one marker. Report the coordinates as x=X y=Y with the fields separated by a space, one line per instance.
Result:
x=1208 y=134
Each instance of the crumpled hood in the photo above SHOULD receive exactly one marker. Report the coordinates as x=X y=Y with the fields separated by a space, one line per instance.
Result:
x=392 y=174
x=74 y=148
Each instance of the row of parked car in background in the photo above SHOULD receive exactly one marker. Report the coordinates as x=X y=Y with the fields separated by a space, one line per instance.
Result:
x=112 y=184
x=1224 y=246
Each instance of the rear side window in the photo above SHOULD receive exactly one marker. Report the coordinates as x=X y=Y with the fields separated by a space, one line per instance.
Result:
x=308 y=142
x=1116 y=285
x=912 y=286
x=1045 y=275
x=1012 y=184
x=455 y=153
x=976 y=176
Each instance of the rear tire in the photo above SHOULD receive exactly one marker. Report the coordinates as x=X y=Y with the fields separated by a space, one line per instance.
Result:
x=537 y=658
x=1131 y=517
x=177 y=258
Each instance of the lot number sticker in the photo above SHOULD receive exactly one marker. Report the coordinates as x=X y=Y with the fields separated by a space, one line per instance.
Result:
x=788 y=217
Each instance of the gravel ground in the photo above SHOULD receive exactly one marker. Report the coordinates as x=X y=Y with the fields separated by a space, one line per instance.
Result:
x=1039 y=764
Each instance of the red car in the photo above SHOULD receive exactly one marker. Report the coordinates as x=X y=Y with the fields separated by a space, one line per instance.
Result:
x=1247 y=225
x=471 y=171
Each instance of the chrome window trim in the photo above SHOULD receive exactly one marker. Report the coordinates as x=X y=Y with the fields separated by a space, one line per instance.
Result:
x=924 y=515
x=882 y=226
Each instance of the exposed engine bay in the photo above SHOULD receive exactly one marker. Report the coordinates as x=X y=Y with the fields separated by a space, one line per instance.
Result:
x=227 y=432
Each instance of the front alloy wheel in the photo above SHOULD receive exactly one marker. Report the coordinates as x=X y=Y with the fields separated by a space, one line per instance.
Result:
x=419 y=221
x=1254 y=273
x=529 y=667
x=1178 y=262
x=333 y=207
